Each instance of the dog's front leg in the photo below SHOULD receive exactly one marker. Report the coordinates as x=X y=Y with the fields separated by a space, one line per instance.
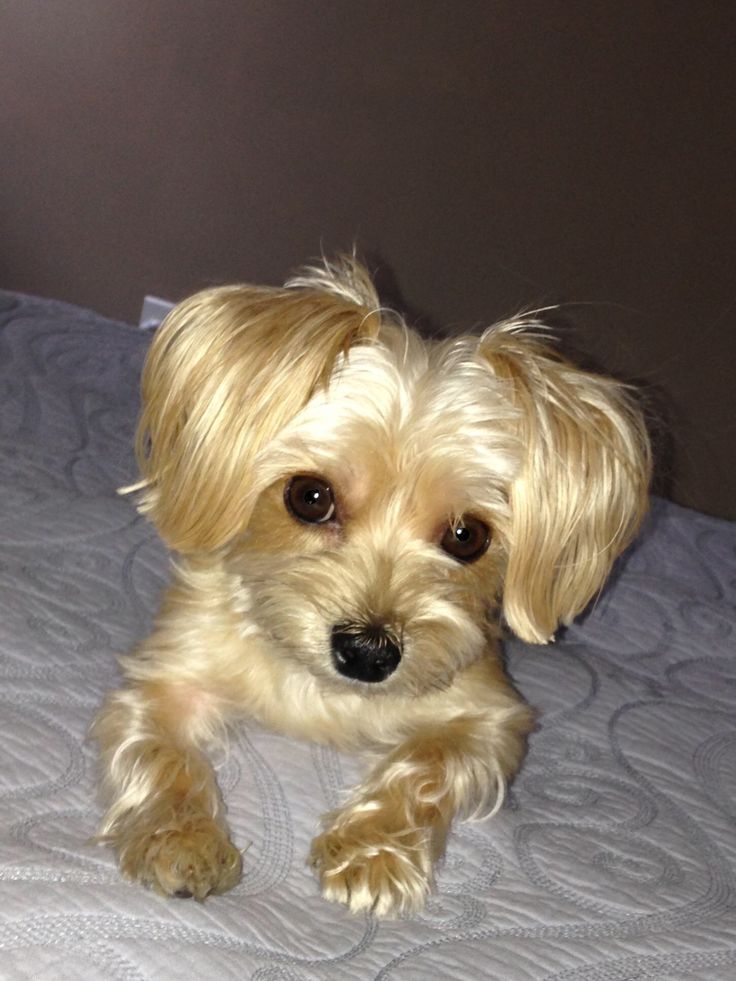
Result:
x=378 y=852
x=165 y=814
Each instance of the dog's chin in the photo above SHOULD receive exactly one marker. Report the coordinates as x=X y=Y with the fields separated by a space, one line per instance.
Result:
x=339 y=684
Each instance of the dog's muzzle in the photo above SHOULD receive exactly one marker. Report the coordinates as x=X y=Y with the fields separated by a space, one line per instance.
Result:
x=364 y=652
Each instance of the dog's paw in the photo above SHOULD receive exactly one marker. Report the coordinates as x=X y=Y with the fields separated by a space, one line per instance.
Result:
x=192 y=859
x=367 y=865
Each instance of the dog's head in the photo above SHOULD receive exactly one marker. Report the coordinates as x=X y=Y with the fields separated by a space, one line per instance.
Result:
x=381 y=498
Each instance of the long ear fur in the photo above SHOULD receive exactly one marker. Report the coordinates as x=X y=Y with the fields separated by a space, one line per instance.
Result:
x=226 y=371
x=582 y=490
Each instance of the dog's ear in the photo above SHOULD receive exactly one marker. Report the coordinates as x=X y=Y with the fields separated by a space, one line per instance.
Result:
x=227 y=370
x=583 y=485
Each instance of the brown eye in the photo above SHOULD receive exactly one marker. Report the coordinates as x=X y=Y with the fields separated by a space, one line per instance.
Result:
x=467 y=540
x=310 y=499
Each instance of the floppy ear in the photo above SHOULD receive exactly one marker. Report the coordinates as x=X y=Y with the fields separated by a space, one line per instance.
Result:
x=227 y=370
x=582 y=489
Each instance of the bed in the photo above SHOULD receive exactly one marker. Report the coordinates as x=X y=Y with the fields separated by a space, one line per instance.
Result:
x=614 y=857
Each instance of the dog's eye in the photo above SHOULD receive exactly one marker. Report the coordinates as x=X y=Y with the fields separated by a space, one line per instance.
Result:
x=467 y=540
x=310 y=499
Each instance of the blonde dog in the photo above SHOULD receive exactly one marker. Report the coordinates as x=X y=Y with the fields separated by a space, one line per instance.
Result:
x=355 y=511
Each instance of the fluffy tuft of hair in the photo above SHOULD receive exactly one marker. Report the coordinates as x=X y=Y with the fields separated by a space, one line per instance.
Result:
x=344 y=277
x=254 y=355
x=582 y=490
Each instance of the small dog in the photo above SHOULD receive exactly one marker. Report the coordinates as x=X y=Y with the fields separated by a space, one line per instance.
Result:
x=355 y=509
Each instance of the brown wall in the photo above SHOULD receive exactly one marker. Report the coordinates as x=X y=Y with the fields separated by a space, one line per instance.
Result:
x=491 y=154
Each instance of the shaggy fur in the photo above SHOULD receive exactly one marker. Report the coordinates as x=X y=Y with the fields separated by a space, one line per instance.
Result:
x=246 y=388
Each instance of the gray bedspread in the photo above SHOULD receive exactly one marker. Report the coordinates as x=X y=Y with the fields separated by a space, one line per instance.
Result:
x=614 y=858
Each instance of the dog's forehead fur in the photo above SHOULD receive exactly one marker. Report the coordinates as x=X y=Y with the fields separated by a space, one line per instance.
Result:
x=403 y=413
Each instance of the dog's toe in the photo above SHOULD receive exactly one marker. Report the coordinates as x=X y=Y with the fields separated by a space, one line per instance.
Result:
x=191 y=861
x=386 y=874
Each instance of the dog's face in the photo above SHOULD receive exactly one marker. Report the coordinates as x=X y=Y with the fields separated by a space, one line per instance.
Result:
x=374 y=554
x=379 y=496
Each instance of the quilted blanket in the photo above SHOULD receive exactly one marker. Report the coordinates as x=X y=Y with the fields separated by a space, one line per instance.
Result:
x=614 y=858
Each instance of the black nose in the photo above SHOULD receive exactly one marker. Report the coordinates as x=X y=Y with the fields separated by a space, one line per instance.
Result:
x=365 y=653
